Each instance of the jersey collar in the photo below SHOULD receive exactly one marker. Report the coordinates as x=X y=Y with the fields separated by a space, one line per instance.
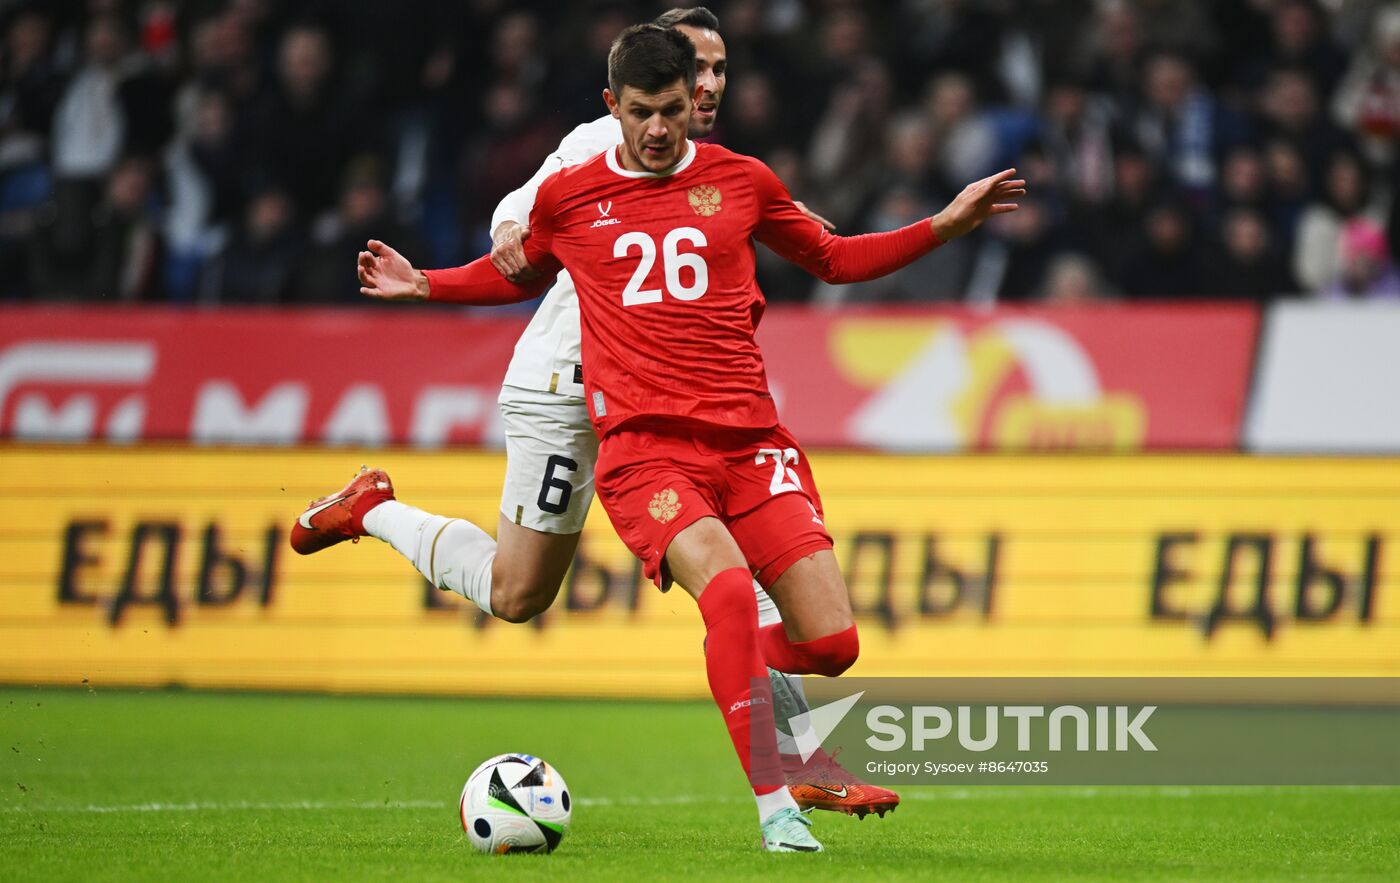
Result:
x=616 y=165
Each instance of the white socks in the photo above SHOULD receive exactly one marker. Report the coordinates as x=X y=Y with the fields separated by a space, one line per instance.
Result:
x=452 y=553
x=457 y=555
x=772 y=802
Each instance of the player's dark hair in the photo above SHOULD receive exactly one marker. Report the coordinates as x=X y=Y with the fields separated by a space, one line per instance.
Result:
x=650 y=58
x=698 y=17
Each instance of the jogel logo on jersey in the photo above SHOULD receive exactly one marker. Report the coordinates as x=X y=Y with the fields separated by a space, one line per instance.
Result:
x=665 y=505
x=604 y=209
x=705 y=199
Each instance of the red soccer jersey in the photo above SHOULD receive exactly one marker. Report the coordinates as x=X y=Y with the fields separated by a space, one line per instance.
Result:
x=664 y=268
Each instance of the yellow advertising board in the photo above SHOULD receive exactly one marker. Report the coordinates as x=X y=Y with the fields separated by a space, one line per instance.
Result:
x=169 y=565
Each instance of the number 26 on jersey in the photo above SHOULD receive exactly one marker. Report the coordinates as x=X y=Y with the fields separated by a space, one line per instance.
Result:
x=673 y=261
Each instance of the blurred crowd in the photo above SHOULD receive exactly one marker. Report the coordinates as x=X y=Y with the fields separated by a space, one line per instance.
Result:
x=242 y=151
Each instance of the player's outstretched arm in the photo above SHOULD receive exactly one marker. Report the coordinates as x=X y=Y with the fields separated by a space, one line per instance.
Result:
x=387 y=275
x=993 y=195
x=844 y=259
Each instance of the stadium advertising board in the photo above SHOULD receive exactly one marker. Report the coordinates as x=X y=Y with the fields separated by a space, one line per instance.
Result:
x=155 y=565
x=1122 y=378
x=1326 y=380
x=253 y=376
x=1116 y=378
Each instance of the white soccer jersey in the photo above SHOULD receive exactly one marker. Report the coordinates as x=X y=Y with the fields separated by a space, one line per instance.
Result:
x=547 y=355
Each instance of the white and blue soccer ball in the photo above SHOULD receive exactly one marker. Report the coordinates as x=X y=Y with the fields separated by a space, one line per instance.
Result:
x=515 y=803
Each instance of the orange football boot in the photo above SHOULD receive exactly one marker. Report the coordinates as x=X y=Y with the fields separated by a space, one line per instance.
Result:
x=823 y=783
x=337 y=517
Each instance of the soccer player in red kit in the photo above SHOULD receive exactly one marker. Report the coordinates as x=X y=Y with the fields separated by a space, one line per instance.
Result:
x=694 y=468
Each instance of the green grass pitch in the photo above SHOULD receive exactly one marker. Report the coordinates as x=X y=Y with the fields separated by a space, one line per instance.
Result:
x=168 y=785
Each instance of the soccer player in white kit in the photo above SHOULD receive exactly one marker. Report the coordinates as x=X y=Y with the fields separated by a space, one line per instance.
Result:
x=551 y=449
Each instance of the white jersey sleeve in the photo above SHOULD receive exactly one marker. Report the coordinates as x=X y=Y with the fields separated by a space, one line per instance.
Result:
x=516 y=205
x=547 y=355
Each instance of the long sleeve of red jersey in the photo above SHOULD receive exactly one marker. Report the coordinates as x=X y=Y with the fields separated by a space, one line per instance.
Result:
x=834 y=259
x=480 y=284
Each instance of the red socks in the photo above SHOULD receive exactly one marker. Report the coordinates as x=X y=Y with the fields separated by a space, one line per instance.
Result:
x=733 y=662
x=360 y=508
x=829 y=655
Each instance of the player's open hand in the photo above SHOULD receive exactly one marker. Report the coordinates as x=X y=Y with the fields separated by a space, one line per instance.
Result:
x=979 y=200
x=508 y=252
x=387 y=275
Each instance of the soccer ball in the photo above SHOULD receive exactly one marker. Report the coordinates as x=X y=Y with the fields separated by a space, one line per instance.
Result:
x=515 y=803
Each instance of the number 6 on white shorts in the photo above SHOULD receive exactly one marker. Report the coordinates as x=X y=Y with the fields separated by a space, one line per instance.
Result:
x=554 y=483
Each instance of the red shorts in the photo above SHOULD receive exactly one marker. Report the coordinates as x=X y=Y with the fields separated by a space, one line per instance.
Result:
x=655 y=481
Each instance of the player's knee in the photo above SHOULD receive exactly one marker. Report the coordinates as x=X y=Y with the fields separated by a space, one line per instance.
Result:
x=833 y=654
x=516 y=610
x=522 y=606
x=517 y=600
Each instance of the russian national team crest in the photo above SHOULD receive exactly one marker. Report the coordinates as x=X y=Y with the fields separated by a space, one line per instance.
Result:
x=705 y=199
x=666 y=504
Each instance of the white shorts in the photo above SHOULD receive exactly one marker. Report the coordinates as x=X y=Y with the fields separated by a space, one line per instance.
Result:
x=550 y=454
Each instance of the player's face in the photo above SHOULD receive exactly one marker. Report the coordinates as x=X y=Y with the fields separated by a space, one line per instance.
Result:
x=654 y=125
x=711 y=68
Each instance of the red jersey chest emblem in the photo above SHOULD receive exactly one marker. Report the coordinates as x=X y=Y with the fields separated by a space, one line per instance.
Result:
x=705 y=199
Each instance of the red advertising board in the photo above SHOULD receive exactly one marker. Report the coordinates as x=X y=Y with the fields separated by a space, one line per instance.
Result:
x=1105 y=378
x=243 y=376
x=1130 y=377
